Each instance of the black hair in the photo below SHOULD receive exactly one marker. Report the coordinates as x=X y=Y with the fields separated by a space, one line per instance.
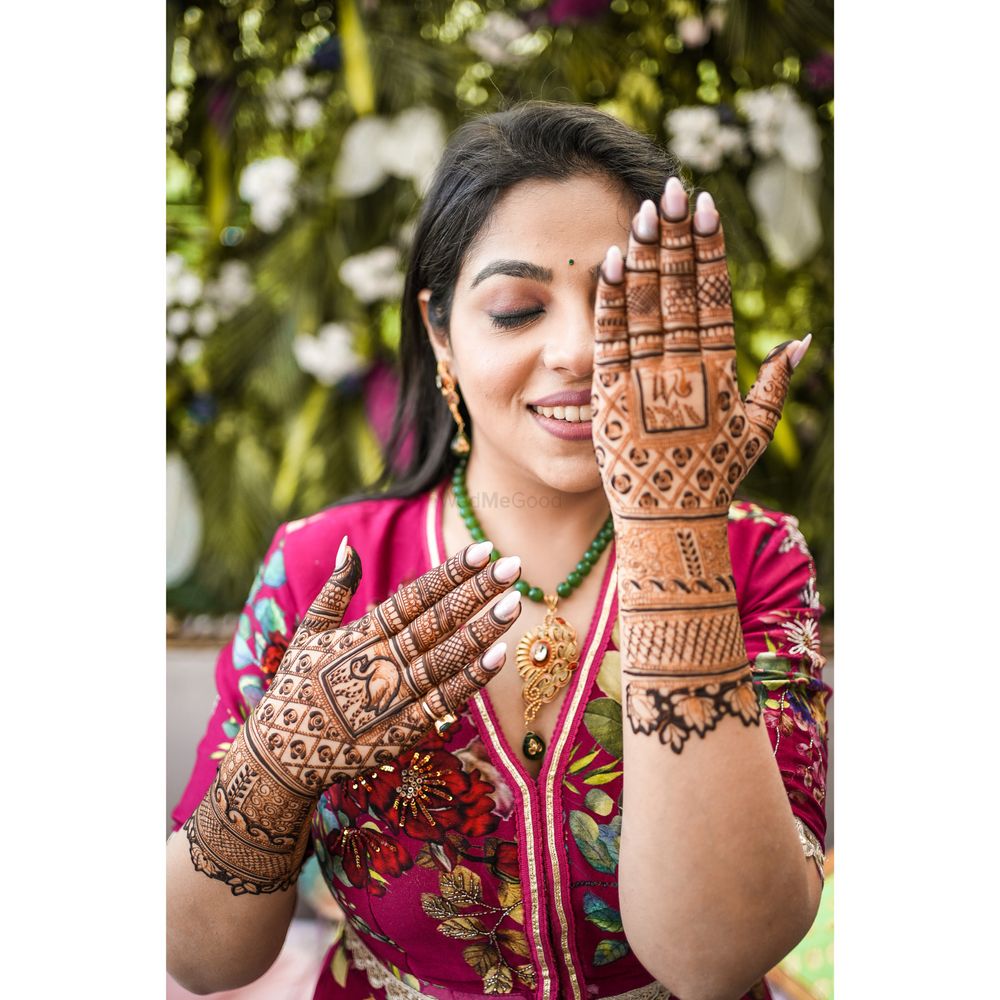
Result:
x=483 y=158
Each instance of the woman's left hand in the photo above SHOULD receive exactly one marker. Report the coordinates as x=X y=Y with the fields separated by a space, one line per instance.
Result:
x=673 y=440
x=671 y=432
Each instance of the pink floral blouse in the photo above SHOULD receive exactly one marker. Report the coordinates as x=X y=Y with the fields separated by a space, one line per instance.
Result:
x=492 y=882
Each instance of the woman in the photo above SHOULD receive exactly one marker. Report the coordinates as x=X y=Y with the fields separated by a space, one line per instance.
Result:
x=477 y=839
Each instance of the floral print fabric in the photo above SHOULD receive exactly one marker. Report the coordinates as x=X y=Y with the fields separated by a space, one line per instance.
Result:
x=461 y=876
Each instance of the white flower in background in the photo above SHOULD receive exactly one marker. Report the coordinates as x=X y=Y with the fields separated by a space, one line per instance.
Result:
x=491 y=41
x=190 y=350
x=204 y=320
x=178 y=322
x=231 y=290
x=183 y=285
x=329 y=356
x=183 y=520
x=782 y=124
x=413 y=145
x=268 y=186
x=374 y=275
x=171 y=349
x=700 y=139
x=717 y=15
x=291 y=84
x=787 y=205
x=307 y=113
x=408 y=146
x=359 y=169
x=693 y=32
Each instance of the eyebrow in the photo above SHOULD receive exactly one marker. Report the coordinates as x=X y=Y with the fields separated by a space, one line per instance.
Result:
x=522 y=269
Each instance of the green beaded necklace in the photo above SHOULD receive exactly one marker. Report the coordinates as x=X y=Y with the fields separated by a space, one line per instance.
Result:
x=546 y=656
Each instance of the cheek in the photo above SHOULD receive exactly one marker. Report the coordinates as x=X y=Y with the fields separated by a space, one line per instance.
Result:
x=494 y=377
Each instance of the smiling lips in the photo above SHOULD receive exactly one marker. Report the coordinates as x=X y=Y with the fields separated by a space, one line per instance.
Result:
x=565 y=414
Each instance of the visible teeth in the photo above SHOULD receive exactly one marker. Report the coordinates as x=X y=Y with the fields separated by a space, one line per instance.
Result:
x=571 y=414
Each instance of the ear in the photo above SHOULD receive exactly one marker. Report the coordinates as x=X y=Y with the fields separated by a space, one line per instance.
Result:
x=439 y=342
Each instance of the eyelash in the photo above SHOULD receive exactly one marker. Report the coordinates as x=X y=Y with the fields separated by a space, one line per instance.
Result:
x=507 y=321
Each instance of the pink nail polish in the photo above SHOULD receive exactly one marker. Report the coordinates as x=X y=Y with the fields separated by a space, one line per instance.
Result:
x=646 y=222
x=800 y=352
x=613 y=267
x=507 y=568
x=479 y=552
x=341 y=554
x=507 y=606
x=706 y=218
x=674 y=201
x=494 y=656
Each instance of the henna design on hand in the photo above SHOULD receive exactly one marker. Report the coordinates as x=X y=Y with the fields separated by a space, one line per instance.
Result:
x=344 y=699
x=673 y=440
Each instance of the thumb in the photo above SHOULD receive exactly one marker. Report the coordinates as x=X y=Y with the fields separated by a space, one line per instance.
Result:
x=767 y=395
x=328 y=607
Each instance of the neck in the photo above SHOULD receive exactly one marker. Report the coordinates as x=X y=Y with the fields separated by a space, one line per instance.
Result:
x=547 y=527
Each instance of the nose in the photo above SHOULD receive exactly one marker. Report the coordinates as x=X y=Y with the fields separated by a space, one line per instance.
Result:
x=569 y=347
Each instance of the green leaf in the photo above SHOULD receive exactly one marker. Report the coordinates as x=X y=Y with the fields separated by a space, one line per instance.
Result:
x=587 y=835
x=599 y=801
x=579 y=765
x=270 y=616
x=598 y=912
x=603 y=719
x=602 y=779
x=609 y=951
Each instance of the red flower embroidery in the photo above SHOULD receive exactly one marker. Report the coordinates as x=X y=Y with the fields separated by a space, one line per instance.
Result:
x=428 y=795
x=364 y=851
x=272 y=656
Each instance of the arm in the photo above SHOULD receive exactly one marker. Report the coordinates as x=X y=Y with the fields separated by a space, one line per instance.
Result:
x=345 y=701
x=706 y=808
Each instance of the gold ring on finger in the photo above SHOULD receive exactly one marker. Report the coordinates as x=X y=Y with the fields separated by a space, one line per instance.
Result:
x=443 y=724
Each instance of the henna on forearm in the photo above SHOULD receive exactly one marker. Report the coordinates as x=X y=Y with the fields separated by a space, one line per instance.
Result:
x=673 y=439
x=346 y=701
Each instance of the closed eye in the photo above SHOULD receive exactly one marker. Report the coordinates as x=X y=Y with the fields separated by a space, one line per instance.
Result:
x=507 y=321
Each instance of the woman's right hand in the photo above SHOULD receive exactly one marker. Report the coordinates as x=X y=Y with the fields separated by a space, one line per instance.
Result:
x=350 y=697
x=347 y=698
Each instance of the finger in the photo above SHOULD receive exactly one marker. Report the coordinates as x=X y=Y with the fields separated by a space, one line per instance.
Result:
x=327 y=609
x=611 y=326
x=451 y=697
x=460 y=605
x=767 y=395
x=401 y=608
x=715 y=297
x=642 y=284
x=678 y=300
x=472 y=639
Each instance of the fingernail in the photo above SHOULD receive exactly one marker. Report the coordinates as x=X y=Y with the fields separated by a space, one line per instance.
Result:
x=507 y=568
x=646 y=222
x=674 y=201
x=706 y=218
x=800 y=352
x=341 y=554
x=613 y=267
x=494 y=656
x=479 y=553
x=507 y=606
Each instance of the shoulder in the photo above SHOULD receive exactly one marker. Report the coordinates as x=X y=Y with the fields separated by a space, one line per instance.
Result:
x=387 y=533
x=752 y=528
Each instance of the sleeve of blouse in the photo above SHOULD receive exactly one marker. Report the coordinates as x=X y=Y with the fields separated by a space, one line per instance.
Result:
x=781 y=629
x=243 y=670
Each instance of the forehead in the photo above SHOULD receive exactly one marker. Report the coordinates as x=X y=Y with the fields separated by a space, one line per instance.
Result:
x=540 y=219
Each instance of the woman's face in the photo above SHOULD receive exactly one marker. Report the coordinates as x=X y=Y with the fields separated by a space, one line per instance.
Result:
x=521 y=343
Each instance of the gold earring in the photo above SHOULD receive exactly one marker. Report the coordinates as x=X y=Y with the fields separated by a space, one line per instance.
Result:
x=445 y=381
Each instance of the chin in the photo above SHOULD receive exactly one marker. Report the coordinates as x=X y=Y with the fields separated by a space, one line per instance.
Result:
x=571 y=473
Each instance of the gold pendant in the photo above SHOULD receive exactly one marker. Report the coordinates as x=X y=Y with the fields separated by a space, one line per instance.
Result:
x=546 y=657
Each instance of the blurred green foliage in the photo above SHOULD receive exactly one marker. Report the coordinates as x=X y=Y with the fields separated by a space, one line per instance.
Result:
x=282 y=82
